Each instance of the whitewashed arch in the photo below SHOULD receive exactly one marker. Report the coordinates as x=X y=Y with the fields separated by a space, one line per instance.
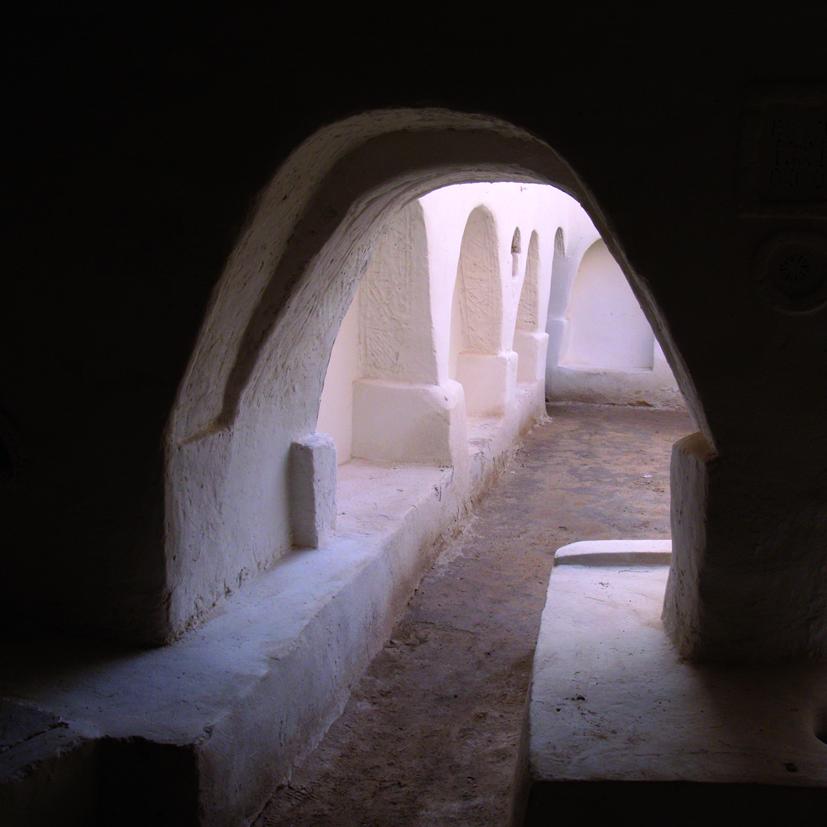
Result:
x=607 y=328
x=254 y=380
x=602 y=349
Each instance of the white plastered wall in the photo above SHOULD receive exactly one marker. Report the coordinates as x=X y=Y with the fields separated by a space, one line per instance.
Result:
x=607 y=328
x=601 y=347
x=336 y=407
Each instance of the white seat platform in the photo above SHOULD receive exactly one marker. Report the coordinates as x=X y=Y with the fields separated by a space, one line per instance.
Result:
x=617 y=719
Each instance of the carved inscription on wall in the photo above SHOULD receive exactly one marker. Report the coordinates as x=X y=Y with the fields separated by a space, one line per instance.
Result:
x=783 y=155
x=794 y=146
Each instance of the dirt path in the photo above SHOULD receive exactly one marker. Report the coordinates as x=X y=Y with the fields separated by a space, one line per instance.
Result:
x=430 y=732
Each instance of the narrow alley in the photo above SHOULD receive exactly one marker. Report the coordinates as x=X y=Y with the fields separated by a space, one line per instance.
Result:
x=430 y=733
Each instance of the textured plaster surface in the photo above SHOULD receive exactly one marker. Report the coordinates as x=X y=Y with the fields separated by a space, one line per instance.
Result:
x=718 y=604
x=396 y=340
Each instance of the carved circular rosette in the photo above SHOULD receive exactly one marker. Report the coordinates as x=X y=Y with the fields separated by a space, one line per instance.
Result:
x=791 y=272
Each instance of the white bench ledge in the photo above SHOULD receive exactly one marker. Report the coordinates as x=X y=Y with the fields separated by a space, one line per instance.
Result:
x=615 y=553
x=618 y=721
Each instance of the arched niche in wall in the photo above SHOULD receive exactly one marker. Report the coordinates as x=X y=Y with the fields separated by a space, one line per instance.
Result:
x=478 y=362
x=606 y=326
x=601 y=348
x=254 y=380
x=516 y=252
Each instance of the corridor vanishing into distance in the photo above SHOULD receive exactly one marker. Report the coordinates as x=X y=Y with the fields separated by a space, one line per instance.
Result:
x=430 y=733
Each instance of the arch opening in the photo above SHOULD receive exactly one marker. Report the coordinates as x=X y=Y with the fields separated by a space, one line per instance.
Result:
x=423 y=369
x=255 y=379
x=607 y=326
x=603 y=348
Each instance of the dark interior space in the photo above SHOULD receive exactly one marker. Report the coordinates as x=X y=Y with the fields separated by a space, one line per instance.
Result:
x=144 y=152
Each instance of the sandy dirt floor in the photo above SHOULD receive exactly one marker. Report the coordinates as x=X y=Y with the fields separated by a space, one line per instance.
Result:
x=429 y=736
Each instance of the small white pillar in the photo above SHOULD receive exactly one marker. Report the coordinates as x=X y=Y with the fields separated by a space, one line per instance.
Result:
x=531 y=347
x=489 y=381
x=312 y=489
x=404 y=422
x=558 y=339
